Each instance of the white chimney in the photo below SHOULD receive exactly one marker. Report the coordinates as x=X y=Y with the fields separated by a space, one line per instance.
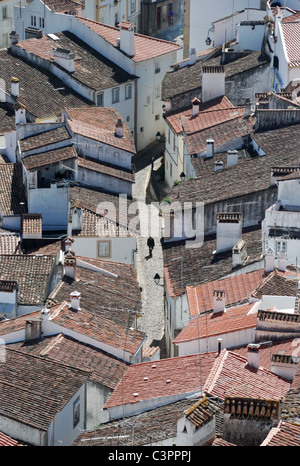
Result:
x=253 y=355
x=282 y=261
x=68 y=243
x=229 y=230
x=192 y=58
x=218 y=165
x=70 y=265
x=269 y=260
x=232 y=157
x=213 y=82
x=20 y=114
x=219 y=301
x=195 y=105
x=127 y=44
x=65 y=59
x=239 y=253
x=75 y=300
x=119 y=129
x=210 y=143
x=15 y=85
x=284 y=365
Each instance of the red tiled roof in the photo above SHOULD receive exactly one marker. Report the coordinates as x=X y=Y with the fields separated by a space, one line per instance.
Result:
x=99 y=123
x=162 y=378
x=227 y=374
x=232 y=376
x=146 y=47
x=210 y=114
x=6 y=441
x=286 y=434
x=233 y=320
x=291 y=35
x=238 y=288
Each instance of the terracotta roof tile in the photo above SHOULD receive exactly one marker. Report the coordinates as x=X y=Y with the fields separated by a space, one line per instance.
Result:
x=111 y=297
x=103 y=367
x=91 y=68
x=291 y=34
x=46 y=138
x=238 y=288
x=32 y=273
x=6 y=441
x=99 y=123
x=12 y=192
x=49 y=157
x=10 y=243
x=24 y=381
x=32 y=224
x=227 y=374
x=115 y=172
x=234 y=319
x=62 y=5
x=285 y=434
x=146 y=47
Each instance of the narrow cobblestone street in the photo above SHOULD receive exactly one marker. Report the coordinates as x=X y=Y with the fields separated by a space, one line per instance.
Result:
x=152 y=320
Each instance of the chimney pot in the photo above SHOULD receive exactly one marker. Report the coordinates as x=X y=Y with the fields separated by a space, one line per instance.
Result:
x=269 y=260
x=219 y=301
x=232 y=157
x=210 y=148
x=75 y=300
x=15 y=87
x=253 y=355
x=229 y=230
x=119 y=129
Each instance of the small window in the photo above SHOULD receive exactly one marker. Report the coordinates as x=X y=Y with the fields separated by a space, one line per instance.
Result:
x=42 y=22
x=128 y=91
x=116 y=95
x=157 y=117
x=104 y=249
x=281 y=247
x=76 y=412
x=157 y=67
x=133 y=6
x=4 y=12
x=100 y=100
x=33 y=20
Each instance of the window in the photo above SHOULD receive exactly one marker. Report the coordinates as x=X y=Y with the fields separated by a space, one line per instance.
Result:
x=100 y=100
x=157 y=67
x=42 y=22
x=33 y=20
x=281 y=247
x=157 y=117
x=148 y=100
x=116 y=95
x=76 y=412
x=128 y=91
x=4 y=12
x=157 y=91
x=104 y=249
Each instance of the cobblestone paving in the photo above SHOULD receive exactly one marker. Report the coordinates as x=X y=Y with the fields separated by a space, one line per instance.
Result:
x=152 y=320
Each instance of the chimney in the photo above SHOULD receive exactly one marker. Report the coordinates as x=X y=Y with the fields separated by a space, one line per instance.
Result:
x=68 y=243
x=239 y=253
x=65 y=59
x=218 y=165
x=247 y=111
x=232 y=158
x=213 y=82
x=20 y=114
x=15 y=87
x=269 y=260
x=282 y=261
x=127 y=38
x=219 y=345
x=284 y=365
x=253 y=355
x=210 y=143
x=75 y=300
x=13 y=38
x=33 y=329
x=192 y=58
x=119 y=129
x=70 y=265
x=229 y=230
x=195 y=105
x=219 y=301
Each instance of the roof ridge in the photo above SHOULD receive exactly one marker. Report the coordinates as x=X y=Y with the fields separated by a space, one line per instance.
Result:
x=215 y=371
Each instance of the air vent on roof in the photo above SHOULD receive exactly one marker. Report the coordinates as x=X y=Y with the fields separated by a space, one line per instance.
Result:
x=168 y=381
x=53 y=36
x=135 y=394
x=154 y=366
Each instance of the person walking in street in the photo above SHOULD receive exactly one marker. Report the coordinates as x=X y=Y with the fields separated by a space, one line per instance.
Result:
x=150 y=244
